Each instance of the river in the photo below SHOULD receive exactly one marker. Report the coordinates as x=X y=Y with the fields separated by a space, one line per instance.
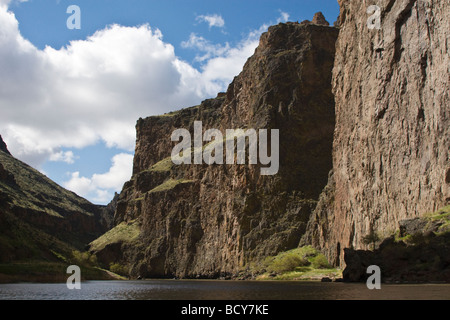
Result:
x=222 y=290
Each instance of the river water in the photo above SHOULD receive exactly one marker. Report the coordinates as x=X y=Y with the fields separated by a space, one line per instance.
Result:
x=222 y=290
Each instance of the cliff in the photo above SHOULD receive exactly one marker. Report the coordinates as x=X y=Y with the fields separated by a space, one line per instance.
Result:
x=391 y=144
x=363 y=116
x=40 y=220
x=209 y=220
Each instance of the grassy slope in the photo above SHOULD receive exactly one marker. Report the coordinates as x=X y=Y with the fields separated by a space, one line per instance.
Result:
x=32 y=247
x=123 y=232
x=33 y=190
x=32 y=255
x=304 y=263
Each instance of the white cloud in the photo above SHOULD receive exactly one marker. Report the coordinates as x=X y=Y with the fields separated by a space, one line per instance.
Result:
x=80 y=185
x=94 y=90
x=89 y=91
x=284 y=17
x=208 y=49
x=224 y=67
x=221 y=63
x=213 y=20
x=7 y=2
x=101 y=187
x=118 y=174
x=67 y=157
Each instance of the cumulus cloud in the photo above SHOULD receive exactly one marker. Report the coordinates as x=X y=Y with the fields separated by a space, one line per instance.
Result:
x=100 y=187
x=91 y=90
x=67 y=157
x=213 y=20
x=284 y=17
x=94 y=90
x=224 y=67
x=208 y=49
x=222 y=62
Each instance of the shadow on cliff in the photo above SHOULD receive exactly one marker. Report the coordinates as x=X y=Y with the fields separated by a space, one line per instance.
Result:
x=423 y=256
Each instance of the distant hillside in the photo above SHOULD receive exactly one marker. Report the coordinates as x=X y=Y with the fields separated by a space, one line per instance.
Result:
x=40 y=220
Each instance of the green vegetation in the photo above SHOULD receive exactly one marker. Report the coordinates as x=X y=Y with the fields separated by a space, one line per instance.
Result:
x=169 y=185
x=170 y=114
x=33 y=271
x=20 y=241
x=54 y=271
x=118 y=269
x=440 y=217
x=306 y=274
x=124 y=232
x=371 y=238
x=443 y=216
x=35 y=243
x=320 y=262
x=34 y=191
x=162 y=166
x=421 y=253
x=33 y=216
x=304 y=263
x=84 y=258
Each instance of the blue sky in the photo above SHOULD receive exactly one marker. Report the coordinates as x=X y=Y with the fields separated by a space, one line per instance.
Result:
x=69 y=99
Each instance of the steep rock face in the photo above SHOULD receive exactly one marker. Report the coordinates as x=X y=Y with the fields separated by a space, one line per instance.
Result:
x=392 y=139
x=200 y=220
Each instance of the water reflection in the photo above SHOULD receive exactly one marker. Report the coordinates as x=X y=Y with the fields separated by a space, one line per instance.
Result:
x=221 y=290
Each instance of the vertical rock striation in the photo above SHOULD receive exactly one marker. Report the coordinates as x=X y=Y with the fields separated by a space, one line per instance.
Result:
x=200 y=220
x=392 y=139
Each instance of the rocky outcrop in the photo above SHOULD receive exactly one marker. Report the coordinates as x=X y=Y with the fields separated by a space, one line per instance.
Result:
x=420 y=253
x=3 y=146
x=212 y=220
x=319 y=19
x=106 y=213
x=391 y=145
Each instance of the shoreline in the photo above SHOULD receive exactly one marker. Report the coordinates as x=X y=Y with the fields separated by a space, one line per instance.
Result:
x=62 y=279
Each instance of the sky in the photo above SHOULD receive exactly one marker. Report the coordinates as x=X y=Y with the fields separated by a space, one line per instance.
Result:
x=70 y=97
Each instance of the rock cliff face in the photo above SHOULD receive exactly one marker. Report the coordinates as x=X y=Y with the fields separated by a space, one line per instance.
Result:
x=211 y=220
x=392 y=139
x=389 y=134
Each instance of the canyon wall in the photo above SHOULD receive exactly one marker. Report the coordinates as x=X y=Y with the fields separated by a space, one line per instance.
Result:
x=392 y=138
x=212 y=220
x=364 y=144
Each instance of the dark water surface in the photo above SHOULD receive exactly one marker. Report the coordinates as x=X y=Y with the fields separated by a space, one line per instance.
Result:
x=221 y=290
